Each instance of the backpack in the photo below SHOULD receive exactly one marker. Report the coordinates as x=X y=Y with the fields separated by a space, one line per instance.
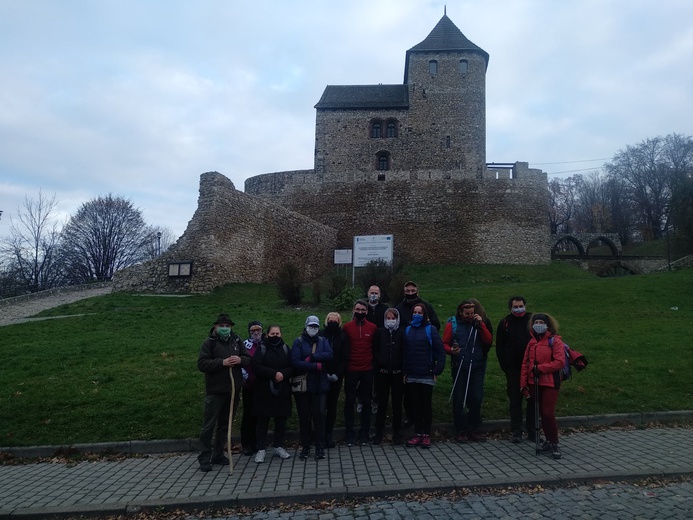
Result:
x=572 y=359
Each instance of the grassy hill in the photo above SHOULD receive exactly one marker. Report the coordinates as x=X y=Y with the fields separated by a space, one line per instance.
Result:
x=126 y=368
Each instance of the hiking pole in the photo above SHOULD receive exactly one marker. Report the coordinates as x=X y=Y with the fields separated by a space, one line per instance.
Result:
x=536 y=409
x=228 y=430
x=469 y=374
x=459 y=367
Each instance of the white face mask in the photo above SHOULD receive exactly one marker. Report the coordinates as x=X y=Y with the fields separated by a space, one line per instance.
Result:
x=312 y=331
x=540 y=328
x=390 y=324
x=519 y=310
x=373 y=298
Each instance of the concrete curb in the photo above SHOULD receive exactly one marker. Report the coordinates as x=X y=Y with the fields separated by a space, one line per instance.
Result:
x=139 y=447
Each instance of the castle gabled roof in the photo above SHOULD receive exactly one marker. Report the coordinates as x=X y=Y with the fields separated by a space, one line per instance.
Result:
x=354 y=97
x=445 y=37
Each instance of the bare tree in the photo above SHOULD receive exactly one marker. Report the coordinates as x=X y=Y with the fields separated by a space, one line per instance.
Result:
x=105 y=235
x=160 y=239
x=562 y=203
x=33 y=243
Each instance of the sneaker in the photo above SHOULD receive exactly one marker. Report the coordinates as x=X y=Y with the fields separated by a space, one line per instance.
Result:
x=415 y=440
x=426 y=441
x=247 y=452
x=281 y=452
x=462 y=437
x=555 y=451
x=365 y=441
x=221 y=459
x=205 y=467
x=319 y=453
x=305 y=452
x=260 y=456
x=516 y=438
x=350 y=440
x=545 y=447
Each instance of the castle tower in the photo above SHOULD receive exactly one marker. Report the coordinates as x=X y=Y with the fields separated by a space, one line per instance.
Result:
x=446 y=79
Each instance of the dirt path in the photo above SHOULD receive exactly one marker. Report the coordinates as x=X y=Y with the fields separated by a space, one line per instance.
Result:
x=20 y=310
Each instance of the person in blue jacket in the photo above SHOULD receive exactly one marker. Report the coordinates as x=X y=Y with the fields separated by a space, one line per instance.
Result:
x=309 y=355
x=424 y=361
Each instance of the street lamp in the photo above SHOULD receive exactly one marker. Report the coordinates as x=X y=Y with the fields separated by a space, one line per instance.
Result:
x=158 y=243
x=0 y=214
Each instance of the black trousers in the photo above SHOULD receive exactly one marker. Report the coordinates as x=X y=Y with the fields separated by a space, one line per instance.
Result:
x=386 y=384
x=516 y=398
x=311 y=418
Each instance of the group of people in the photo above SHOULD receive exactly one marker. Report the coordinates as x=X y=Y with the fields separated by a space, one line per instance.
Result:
x=384 y=357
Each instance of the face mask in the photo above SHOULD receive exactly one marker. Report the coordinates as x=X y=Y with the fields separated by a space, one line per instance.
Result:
x=540 y=328
x=332 y=326
x=223 y=332
x=411 y=297
x=390 y=324
x=416 y=319
x=373 y=298
x=312 y=331
x=275 y=341
x=519 y=311
x=360 y=316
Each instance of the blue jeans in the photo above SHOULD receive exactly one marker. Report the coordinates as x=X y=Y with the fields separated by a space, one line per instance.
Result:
x=467 y=415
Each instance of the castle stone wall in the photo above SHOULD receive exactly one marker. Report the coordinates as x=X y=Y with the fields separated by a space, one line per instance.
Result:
x=235 y=237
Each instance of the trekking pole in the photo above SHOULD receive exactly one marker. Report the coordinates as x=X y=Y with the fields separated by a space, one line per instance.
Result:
x=459 y=367
x=228 y=430
x=469 y=374
x=536 y=409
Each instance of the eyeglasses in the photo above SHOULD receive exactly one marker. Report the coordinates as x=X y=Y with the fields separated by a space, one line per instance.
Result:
x=256 y=329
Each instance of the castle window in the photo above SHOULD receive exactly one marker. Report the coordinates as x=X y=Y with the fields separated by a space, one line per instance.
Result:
x=381 y=176
x=433 y=67
x=447 y=141
x=376 y=129
x=464 y=67
x=391 y=129
x=383 y=161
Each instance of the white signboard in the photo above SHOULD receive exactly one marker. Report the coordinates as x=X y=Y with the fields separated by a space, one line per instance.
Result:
x=372 y=247
x=342 y=256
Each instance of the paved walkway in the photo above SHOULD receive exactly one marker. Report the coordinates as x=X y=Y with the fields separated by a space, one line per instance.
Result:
x=173 y=481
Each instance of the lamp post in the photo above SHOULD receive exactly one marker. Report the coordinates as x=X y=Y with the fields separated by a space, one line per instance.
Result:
x=158 y=243
x=0 y=214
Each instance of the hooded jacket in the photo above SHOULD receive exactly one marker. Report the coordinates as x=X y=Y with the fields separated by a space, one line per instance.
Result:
x=388 y=349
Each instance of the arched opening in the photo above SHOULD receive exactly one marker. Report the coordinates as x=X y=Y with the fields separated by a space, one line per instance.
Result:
x=567 y=246
x=600 y=246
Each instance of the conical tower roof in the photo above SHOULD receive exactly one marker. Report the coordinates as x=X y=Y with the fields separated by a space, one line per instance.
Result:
x=445 y=37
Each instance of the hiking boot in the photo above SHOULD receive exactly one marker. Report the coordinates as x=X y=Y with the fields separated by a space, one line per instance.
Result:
x=260 y=456
x=545 y=447
x=462 y=437
x=359 y=408
x=329 y=443
x=305 y=452
x=516 y=438
x=205 y=467
x=319 y=453
x=247 y=452
x=415 y=440
x=555 y=451
x=426 y=441
x=281 y=452
x=476 y=437
x=220 y=459
x=378 y=439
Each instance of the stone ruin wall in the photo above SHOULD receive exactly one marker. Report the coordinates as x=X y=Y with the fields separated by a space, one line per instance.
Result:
x=234 y=237
x=435 y=216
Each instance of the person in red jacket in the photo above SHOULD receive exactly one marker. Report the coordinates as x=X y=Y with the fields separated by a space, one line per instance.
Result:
x=544 y=359
x=359 y=372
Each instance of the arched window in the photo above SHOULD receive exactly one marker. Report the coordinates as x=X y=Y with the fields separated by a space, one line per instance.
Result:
x=383 y=161
x=464 y=67
x=376 y=129
x=433 y=67
x=391 y=129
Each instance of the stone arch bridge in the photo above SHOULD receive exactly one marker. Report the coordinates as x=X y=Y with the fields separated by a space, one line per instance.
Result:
x=575 y=248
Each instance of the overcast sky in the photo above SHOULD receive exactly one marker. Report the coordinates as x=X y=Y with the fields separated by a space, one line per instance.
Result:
x=139 y=97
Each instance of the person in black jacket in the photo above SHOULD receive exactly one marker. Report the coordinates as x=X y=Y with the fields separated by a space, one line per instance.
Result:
x=272 y=391
x=335 y=369
x=511 y=341
x=388 y=355
x=221 y=357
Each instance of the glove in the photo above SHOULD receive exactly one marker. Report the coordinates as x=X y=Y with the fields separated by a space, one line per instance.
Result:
x=307 y=360
x=332 y=378
x=525 y=392
x=535 y=371
x=319 y=365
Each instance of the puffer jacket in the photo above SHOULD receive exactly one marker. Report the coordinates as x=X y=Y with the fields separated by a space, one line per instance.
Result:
x=301 y=350
x=549 y=361
x=423 y=358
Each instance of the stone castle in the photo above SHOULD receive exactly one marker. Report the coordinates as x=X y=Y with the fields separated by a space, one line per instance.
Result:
x=407 y=160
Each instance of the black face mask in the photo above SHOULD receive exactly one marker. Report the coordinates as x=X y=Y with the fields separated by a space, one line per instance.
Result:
x=275 y=341
x=332 y=326
x=360 y=316
x=411 y=297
